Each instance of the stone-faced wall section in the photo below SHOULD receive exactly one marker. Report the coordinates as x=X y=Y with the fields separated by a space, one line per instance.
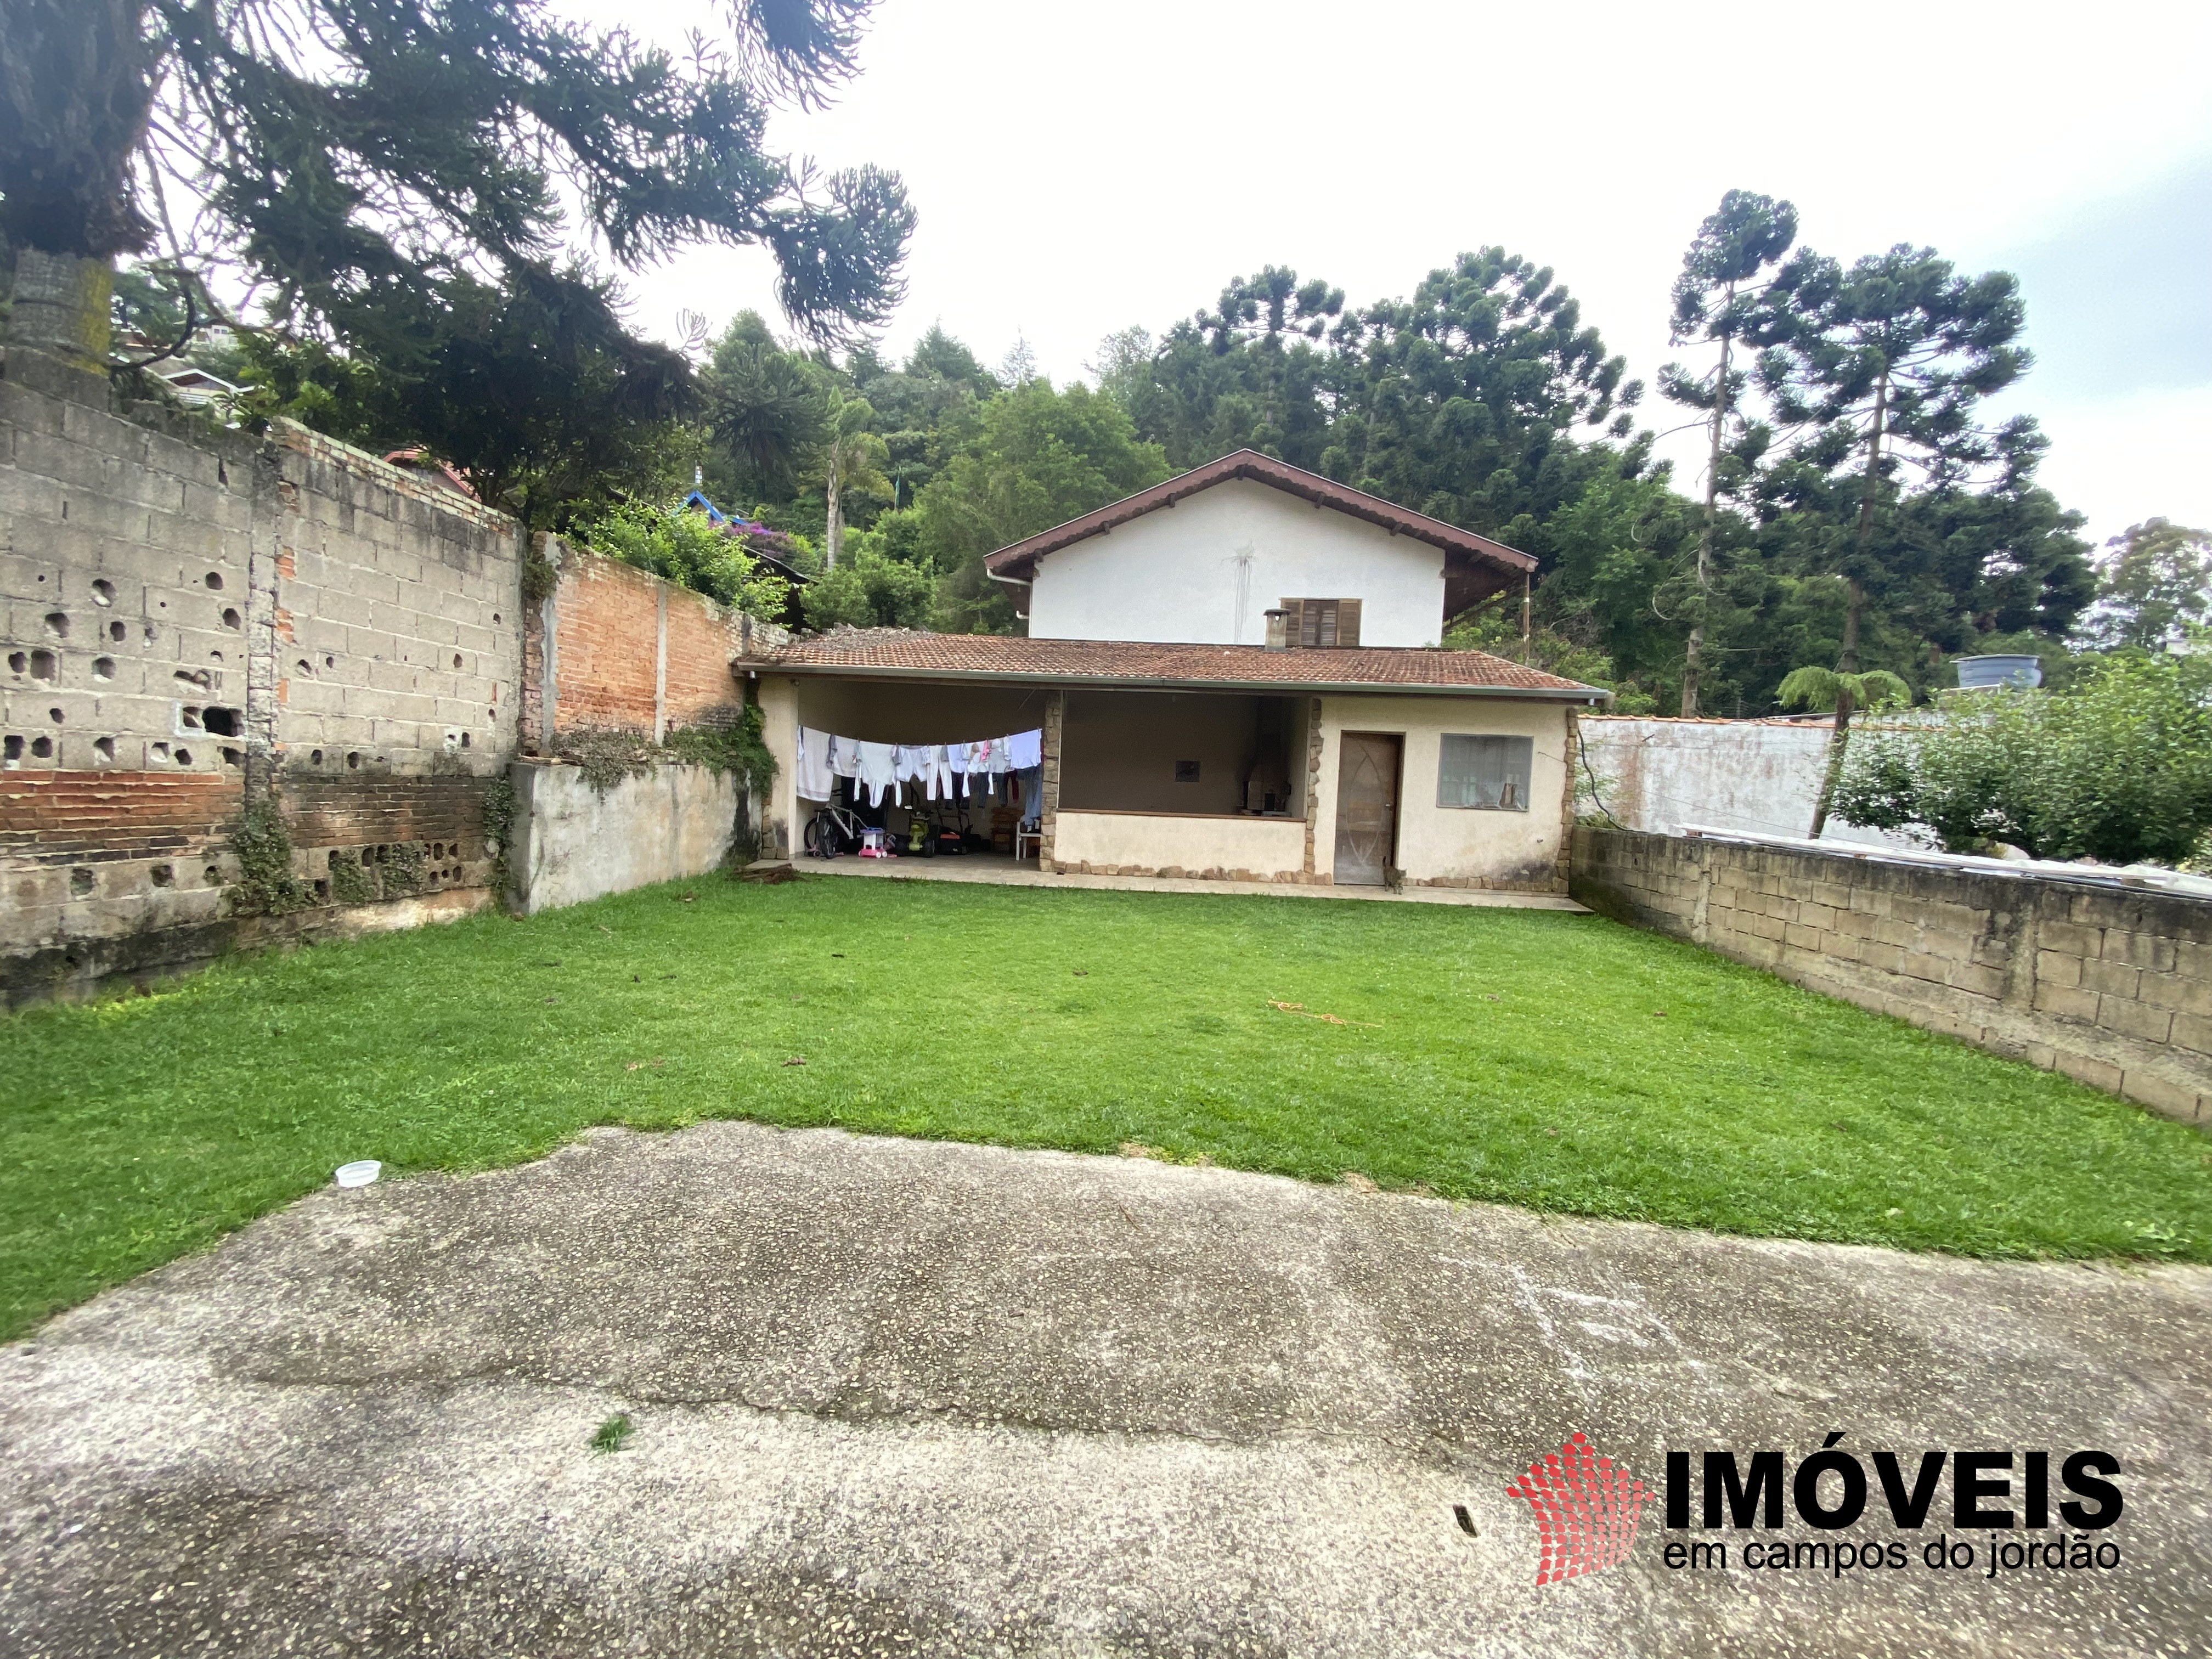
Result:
x=2109 y=986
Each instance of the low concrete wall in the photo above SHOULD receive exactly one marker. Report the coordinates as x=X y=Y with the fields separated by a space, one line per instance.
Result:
x=571 y=842
x=1108 y=843
x=2110 y=986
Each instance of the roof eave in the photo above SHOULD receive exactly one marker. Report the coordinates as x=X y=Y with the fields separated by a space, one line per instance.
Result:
x=1249 y=464
x=1579 y=693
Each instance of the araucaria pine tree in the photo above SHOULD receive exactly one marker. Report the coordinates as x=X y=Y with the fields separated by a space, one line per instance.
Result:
x=1720 y=299
x=1878 y=371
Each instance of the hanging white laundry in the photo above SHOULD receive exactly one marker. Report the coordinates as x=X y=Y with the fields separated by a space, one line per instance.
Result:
x=988 y=755
x=815 y=781
x=937 y=772
x=1026 y=749
x=878 y=770
x=844 y=757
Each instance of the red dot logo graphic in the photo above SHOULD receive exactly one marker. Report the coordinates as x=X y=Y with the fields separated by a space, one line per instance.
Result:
x=1586 y=1509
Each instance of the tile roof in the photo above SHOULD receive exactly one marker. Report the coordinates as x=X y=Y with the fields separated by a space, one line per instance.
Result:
x=897 y=653
x=1018 y=562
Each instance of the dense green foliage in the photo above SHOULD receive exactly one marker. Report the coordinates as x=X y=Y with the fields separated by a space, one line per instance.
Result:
x=1854 y=510
x=690 y=550
x=2116 y=768
x=396 y=180
x=1477 y=1064
x=2157 y=584
x=871 y=588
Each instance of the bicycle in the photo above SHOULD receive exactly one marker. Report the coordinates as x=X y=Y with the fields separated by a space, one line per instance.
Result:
x=832 y=830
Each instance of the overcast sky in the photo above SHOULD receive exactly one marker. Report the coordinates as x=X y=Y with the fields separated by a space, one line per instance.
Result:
x=1081 y=168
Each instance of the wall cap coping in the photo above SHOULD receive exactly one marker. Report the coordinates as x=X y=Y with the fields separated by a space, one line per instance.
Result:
x=2133 y=877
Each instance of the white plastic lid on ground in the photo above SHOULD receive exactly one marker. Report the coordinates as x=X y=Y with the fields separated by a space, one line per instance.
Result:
x=360 y=1174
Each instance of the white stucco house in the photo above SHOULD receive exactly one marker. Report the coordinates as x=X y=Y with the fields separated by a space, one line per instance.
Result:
x=1237 y=675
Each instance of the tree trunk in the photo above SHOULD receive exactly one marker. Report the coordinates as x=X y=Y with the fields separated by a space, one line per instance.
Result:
x=1694 y=661
x=1847 y=660
x=60 y=328
x=834 y=541
x=1838 y=740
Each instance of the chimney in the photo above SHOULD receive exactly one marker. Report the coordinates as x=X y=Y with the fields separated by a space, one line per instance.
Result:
x=1278 y=631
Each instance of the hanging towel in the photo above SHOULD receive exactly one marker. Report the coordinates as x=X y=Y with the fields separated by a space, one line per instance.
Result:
x=844 y=757
x=877 y=770
x=1026 y=749
x=815 y=781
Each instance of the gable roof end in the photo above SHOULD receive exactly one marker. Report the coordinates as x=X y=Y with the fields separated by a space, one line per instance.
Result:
x=1018 y=563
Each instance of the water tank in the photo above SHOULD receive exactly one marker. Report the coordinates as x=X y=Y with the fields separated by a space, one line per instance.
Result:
x=1989 y=673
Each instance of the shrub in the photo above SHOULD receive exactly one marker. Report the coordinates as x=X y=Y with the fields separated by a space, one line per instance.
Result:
x=690 y=550
x=2119 y=770
x=870 y=589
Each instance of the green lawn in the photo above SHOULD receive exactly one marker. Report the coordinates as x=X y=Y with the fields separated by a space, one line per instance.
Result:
x=1556 y=1061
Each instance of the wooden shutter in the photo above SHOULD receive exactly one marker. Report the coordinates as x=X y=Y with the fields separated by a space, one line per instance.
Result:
x=1347 y=622
x=1293 y=621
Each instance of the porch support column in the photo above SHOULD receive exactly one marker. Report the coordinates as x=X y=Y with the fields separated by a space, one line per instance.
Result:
x=1056 y=704
x=1313 y=780
x=781 y=835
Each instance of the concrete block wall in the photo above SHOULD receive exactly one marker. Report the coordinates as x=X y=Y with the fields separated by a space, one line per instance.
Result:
x=187 y=614
x=394 y=646
x=2110 y=986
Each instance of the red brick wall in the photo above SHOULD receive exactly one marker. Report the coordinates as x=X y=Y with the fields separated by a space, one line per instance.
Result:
x=605 y=648
x=607 y=622
x=326 y=812
x=109 y=815
x=703 y=637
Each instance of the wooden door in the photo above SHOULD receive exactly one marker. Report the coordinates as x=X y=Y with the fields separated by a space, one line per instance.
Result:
x=1366 y=808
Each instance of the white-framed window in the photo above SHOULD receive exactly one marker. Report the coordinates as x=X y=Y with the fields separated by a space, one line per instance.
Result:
x=1489 y=774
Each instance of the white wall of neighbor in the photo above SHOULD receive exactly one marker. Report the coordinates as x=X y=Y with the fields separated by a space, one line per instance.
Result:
x=1455 y=844
x=573 y=843
x=1758 y=777
x=1207 y=571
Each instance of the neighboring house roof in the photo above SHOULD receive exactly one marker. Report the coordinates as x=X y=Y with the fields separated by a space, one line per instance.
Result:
x=1474 y=565
x=195 y=388
x=437 y=472
x=901 y=653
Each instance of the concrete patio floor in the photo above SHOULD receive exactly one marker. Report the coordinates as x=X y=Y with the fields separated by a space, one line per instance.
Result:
x=997 y=869
x=896 y=1397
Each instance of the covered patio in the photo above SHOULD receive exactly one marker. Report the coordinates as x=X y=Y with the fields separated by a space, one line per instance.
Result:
x=1236 y=764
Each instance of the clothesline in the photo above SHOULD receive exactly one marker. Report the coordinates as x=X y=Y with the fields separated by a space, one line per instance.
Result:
x=823 y=757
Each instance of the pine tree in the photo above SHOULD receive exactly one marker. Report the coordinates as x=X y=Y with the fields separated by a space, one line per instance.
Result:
x=1718 y=300
x=358 y=163
x=1878 y=371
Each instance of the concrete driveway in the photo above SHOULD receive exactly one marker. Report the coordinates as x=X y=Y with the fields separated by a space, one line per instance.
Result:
x=906 y=1397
